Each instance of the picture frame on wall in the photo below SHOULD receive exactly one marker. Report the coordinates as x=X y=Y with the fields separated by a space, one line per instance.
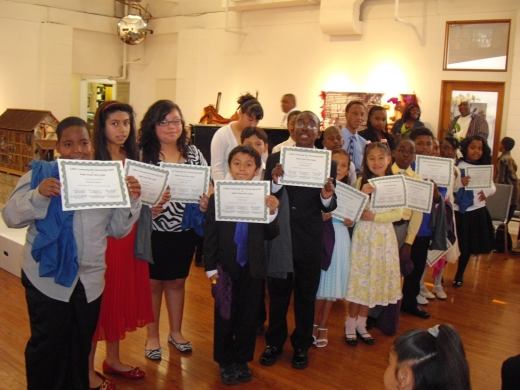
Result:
x=477 y=45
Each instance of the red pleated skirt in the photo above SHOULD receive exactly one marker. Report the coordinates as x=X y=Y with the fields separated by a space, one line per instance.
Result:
x=127 y=299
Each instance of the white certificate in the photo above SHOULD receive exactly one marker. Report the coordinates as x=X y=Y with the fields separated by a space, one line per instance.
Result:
x=241 y=201
x=435 y=255
x=351 y=202
x=305 y=167
x=187 y=182
x=153 y=180
x=438 y=169
x=89 y=184
x=419 y=194
x=389 y=193
x=481 y=177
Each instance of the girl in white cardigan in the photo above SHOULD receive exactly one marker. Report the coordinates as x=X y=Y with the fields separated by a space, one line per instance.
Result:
x=250 y=112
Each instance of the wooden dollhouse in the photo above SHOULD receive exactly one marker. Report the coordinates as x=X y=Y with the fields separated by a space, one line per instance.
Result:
x=25 y=135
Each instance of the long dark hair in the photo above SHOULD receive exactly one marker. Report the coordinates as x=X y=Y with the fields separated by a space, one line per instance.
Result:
x=250 y=106
x=100 y=138
x=367 y=173
x=345 y=153
x=485 y=159
x=148 y=141
x=437 y=360
x=371 y=112
x=408 y=108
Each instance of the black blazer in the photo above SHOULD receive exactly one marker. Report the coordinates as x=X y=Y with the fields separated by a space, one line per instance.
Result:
x=306 y=220
x=220 y=247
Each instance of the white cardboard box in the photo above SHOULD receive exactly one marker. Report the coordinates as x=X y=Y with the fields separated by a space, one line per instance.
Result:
x=12 y=242
x=11 y=253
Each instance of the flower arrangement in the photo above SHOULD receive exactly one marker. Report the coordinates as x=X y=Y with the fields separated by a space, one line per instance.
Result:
x=456 y=100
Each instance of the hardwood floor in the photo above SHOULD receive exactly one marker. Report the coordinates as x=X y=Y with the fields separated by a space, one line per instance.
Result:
x=486 y=311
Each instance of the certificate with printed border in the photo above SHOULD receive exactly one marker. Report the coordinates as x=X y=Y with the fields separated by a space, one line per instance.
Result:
x=241 y=201
x=435 y=255
x=481 y=177
x=351 y=202
x=438 y=169
x=153 y=180
x=390 y=192
x=305 y=167
x=187 y=182
x=91 y=184
x=419 y=194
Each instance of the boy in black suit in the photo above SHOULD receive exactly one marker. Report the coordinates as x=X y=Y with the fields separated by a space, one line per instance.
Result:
x=240 y=256
x=302 y=207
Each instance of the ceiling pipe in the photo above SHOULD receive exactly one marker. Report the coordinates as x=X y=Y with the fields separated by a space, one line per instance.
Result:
x=228 y=29
x=398 y=19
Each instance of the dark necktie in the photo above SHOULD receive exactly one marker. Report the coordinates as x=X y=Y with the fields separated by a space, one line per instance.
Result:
x=241 y=233
x=350 y=149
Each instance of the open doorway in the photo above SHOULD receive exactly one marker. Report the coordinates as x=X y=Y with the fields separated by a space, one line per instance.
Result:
x=487 y=99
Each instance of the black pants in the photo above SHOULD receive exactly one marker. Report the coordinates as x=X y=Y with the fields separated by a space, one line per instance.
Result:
x=411 y=285
x=56 y=356
x=511 y=373
x=305 y=280
x=234 y=339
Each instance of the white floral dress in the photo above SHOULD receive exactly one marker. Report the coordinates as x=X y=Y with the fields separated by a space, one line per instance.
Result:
x=375 y=278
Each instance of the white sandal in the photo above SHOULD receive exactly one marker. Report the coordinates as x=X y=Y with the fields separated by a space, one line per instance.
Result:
x=314 y=327
x=321 y=343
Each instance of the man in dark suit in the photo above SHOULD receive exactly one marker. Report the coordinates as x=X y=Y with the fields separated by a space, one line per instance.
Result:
x=305 y=206
x=238 y=248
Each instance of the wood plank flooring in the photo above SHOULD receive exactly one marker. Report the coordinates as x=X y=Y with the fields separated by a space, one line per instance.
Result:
x=486 y=311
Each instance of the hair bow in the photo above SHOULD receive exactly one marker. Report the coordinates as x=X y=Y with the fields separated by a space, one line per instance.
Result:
x=434 y=331
x=368 y=143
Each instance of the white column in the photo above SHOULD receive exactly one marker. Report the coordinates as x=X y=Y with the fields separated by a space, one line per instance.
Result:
x=192 y=60
x=56 y=68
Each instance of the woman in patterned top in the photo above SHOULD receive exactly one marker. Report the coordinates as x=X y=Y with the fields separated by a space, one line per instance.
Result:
x=162 y=137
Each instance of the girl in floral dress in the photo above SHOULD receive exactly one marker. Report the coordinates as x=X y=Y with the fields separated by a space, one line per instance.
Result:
x=374 y=278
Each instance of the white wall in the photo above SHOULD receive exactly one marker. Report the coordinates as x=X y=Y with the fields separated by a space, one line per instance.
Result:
x=284 y=51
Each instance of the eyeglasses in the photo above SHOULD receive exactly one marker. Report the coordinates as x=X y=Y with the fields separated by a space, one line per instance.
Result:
x=175 y=122
x=311 y=127
x=405 y=152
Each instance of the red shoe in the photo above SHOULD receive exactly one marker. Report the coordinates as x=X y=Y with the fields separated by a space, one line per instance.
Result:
x=106 y=385
x=134 y=373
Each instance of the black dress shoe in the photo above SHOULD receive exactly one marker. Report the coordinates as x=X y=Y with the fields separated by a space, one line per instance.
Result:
x=457 y=283
x=366 y=338
x=270 y=355
x=228 y=374
x=300 y=359
x=417 y=312
x=244 y=374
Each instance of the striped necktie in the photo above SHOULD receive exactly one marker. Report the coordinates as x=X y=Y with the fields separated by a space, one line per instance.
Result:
x=351 y=150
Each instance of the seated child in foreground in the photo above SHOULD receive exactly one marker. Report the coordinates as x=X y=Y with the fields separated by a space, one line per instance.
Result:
x=430 y=359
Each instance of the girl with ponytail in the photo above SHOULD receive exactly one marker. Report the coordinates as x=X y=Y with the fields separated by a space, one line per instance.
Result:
x=430 y=359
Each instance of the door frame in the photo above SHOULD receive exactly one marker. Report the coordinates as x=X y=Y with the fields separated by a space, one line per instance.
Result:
x=448 y=86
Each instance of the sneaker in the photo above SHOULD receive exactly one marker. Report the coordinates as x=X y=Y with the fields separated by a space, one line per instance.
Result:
x=243 y=372
x=421 y=300
x=228 y=374
x=439 y=291
x=426 y=293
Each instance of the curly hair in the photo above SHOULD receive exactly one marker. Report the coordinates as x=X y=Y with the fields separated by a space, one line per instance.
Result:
x=485 y=159
x=99 y=136
x=148 y=141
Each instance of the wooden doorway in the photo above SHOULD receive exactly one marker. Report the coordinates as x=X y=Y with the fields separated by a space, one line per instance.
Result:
x=487 y=97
